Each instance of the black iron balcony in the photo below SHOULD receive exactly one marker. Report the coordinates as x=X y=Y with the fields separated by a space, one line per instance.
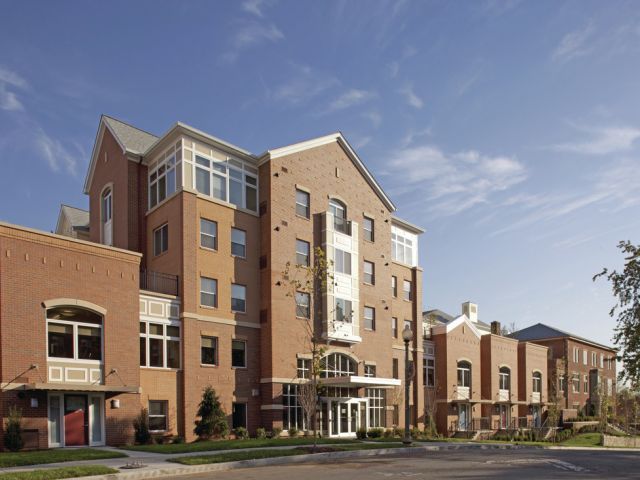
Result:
x=158 y=282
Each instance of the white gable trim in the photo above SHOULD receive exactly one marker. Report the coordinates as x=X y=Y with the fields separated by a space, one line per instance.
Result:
x=340 y=140
x=452 y=325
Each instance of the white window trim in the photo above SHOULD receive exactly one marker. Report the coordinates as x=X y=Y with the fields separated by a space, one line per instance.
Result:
x=153 y=235
x=215 y=237
x=165 y=338
x=166 y=416
x=75 y=358
x=214 y=293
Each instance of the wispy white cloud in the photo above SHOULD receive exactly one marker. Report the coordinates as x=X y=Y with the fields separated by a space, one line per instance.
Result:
x=253 y=7
x=55 y=154
x=9 y=82
x=394 y=67
x=361 y=142
x=350 y=98
x=574 y=44
x=412 y=135
x=251 y=33
x=447 y=184
x=303 y=84
x=374 y=117
x=602 y=141
x=410 y=96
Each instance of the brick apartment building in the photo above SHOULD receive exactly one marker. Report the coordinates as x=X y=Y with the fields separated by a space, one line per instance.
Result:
x=173 y=281
x=581 y=371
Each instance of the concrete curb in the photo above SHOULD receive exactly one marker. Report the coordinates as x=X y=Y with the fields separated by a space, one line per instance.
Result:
x=292 y=460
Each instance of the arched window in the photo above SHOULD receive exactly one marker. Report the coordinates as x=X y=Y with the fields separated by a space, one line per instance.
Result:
x=74 y=333
x=106 y=215
x=339 y=211
x=505 y=378
x=337 y=365
x=537 y=382
x=464 y=374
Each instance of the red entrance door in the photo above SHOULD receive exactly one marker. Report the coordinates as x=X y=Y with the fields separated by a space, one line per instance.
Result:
x=75 y=420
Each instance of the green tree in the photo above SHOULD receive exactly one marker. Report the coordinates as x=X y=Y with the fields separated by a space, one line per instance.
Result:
x=626 y=287
x=213 y=419
x=13 y=432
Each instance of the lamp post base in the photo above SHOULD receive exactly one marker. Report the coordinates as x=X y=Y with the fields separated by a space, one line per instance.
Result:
x=407 y=440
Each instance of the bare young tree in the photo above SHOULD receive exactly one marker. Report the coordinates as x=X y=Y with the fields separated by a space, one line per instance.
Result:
x=310 y=282
x=430 y=408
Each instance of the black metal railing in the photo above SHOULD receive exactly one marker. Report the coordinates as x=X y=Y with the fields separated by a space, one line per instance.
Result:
x=483 y=423
x=158 y=282
x=342 y=225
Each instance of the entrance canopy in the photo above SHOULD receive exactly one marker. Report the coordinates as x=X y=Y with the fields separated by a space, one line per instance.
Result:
x=356 y=381
x=60 y=387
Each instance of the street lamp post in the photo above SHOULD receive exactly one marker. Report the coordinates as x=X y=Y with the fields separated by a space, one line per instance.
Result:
x=407 y=335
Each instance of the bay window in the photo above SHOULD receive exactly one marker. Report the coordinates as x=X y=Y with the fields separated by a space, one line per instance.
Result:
x=230 y=181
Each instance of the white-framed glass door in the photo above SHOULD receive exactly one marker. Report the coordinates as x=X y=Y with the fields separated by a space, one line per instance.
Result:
x=96 y=420
x=55 y=419
x=463 y=417
x=346 y=417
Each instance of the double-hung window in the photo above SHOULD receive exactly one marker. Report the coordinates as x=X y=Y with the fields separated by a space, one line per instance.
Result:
x=208 y=234
x=238 y=353
x=238 y=243
x=302 y=253
x=161 y=239
x=238 y=298
x=594 y=359
x=209 y=350
x=394 y=286
x=302 y=204
x=429 y=372
x=208 y=292
x=160 y=344
x=369 y=273
x=303 y=307
x=407 y=293
x=369 y=318
x=585 y=383
x=342 y=261
x=576 y=354
x=368 y=229
x=585 y=357
x=394 y=327
x=158 y=415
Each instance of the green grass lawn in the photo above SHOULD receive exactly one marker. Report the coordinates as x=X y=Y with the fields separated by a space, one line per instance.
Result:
x=55 y=473
x=257 y=454
x=584 y=440
x=18 y=459
x=213 y=445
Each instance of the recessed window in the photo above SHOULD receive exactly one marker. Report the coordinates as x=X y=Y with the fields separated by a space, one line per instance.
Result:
x=368 y=229
x=370 y=371
x=238 y=298
x=342 y=261
x=209 y=350
x=239 y=353
x=160 y=345
x=429 y=371
x=343 y=310
x=208 y=234
x=74 y=333
x=585 y=383
x=238 y=415
x=504 y=379
x=238 y=243
x=158 y=415
x=303 y=204
x=208 y=292
x=302 y=253
x=407 y=292
x=303 y=301
x=394 y=327
x=537 y=382
x=369 y=318
x=161 y=239
x=369 y=273
x=394 y=286
x=106 y=213
x=575 y=383
x=464 y=374
x=394 y=368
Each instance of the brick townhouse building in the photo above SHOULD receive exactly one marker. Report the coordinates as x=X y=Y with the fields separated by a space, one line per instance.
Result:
x=581 y=371
x=476 y=379
x=173 y=281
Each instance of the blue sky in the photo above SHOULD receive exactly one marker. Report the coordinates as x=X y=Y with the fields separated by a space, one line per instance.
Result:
x=509 y=130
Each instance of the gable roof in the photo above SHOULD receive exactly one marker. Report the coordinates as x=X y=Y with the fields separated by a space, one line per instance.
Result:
x=338 y=138
x=540 y=331
x=78 y=218
x=131 y=138
x=452 y=325
x=445 y=318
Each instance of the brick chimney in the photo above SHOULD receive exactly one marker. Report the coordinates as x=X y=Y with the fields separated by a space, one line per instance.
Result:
x=495 y=328
x=471 y=311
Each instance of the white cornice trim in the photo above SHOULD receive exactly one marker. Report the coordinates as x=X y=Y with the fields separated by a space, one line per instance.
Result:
x=452 y=325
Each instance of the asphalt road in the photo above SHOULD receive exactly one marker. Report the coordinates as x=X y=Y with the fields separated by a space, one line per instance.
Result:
x=513 y=464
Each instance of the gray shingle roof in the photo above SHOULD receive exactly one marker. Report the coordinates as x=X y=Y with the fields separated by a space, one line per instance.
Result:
x=540 y=331
x=443 y=318
x=133 y=139
x=77 y=217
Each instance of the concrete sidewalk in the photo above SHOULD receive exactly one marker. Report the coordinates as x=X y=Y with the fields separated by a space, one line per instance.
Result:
x=156 y=464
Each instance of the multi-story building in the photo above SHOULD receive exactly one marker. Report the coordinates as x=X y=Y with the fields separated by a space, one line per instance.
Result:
x=181 y=286
x=476 y=379
x=581 y=372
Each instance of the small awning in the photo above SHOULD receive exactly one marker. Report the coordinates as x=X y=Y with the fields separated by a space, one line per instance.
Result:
x=65 y=387
x=355 y=381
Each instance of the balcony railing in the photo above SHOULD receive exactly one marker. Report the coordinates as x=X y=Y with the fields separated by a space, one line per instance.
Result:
x=158 y=282
x=461 y=393
x=342 y=225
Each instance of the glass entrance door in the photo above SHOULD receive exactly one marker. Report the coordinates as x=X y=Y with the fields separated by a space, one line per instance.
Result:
x=463 y=417
x=346 y=417
x=505 y=411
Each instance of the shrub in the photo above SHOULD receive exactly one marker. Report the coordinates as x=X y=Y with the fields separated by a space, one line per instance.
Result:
x=361 y=434
x=213 y=419
x=293 y=432
x=276 y=432
x=261 y=433
x=141 y=427
x=241 y=433
x=13 y=433
x=177 y=439
x=416 y=433
x=398 y=432
x=388 y=433
x=375 y=432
